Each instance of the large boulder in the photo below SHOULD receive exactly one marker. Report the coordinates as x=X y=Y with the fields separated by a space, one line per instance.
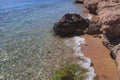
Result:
x=70 y=24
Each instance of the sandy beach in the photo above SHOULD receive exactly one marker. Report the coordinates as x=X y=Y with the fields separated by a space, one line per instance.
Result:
x=104 y=65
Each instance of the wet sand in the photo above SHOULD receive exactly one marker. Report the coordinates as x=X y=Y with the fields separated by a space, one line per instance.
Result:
x=104 y=65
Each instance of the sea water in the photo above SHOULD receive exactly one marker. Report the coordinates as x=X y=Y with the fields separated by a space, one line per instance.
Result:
x=28 y=49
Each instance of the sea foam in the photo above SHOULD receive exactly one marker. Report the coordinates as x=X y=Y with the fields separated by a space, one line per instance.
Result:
x=85 y=62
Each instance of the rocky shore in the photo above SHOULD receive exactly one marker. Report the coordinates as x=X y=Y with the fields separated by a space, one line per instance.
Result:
x=108 y=12
x=108 y=24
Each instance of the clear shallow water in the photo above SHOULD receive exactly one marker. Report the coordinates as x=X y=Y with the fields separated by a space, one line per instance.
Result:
x=28 y=49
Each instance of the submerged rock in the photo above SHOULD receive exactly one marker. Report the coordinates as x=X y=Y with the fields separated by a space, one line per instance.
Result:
x=79 y=1
x=70 y=24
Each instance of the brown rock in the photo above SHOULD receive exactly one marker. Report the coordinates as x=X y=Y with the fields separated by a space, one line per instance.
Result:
x=109 y=18
x=107 y=5
x=109 y=14
x=117 y=1
x=70 y=24
x=91 y=5
x=94 y=28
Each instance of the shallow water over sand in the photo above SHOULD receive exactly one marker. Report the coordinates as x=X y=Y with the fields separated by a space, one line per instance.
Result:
x=28 y=49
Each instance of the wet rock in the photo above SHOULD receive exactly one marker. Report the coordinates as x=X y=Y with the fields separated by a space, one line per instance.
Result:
x=70 y=24
x=79 y=1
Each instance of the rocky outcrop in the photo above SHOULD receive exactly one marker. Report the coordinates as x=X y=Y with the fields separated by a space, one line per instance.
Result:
x=109 y=18
x=107 y=5
x=92 y=5
x=108 y=12
x=70 y=24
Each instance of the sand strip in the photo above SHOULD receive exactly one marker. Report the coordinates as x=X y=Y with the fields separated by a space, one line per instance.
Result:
x=104 y=65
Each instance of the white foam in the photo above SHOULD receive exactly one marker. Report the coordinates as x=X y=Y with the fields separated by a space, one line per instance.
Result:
x=89 y=16
x=77 y=48
x=86 y=62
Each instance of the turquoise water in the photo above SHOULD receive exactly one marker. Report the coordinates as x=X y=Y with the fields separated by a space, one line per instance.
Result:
x=28 y=49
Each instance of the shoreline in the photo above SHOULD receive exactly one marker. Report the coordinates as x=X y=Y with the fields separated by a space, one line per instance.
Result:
x=108 y=12
x=86 y=62
x=74 y=24
x=79 y=58
x=104 y=65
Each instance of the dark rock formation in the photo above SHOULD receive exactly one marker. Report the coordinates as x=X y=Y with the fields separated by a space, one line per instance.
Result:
x=112 y=31
x=70 y=24
x=79 y=1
